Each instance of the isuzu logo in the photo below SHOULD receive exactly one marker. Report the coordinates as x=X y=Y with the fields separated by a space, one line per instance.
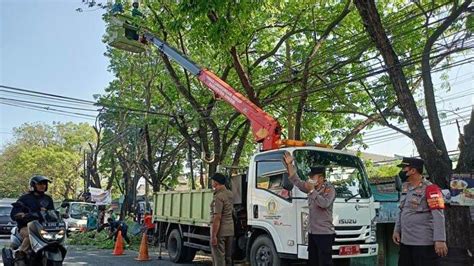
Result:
x=347 y=221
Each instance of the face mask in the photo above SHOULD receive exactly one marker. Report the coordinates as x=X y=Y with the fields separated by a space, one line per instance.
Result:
x=403 y=175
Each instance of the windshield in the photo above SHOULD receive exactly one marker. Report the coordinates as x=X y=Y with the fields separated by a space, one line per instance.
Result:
x=345 y=172
x=82 y=210
x=5 y=210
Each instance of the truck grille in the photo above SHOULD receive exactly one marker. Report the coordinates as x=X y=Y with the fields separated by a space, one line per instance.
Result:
x=348 y=228
x=351 y=234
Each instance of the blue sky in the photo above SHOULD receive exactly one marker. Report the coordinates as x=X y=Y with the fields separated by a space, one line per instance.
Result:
x=47 y=46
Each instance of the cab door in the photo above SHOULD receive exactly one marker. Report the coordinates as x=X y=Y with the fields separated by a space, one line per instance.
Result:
x=272 y=208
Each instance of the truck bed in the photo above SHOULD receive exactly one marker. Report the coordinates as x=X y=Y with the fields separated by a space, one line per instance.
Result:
x=183 y=207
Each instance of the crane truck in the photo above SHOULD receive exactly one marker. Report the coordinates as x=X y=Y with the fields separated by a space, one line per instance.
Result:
x=271 y=215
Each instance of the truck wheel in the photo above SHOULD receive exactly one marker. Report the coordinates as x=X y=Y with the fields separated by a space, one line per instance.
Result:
x=190 y=253
x=176 y=249
x=263 y=252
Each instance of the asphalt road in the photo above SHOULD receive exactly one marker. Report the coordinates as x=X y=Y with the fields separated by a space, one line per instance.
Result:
x=79 y=255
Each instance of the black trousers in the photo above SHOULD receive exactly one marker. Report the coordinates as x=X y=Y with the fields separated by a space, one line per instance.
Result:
x=320 y=249
x=418 y=256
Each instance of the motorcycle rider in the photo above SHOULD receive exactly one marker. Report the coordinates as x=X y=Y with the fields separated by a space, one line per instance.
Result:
x=28 y=208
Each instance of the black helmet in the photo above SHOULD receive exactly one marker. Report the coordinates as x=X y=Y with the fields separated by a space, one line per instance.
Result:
x=37 y=179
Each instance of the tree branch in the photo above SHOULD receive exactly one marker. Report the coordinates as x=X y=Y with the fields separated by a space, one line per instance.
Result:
x=243 y=76
x=382 y=114
x=430 y=101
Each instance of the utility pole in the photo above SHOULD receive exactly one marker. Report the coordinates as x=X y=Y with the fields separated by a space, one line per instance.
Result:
x=84 y=171
x=190 y=158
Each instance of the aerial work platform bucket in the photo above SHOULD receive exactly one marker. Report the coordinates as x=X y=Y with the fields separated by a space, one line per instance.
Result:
x=124 y=36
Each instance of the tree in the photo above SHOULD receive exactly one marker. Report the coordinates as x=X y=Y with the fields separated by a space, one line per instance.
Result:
x=51 y=150
x=250 y=57
x=431 y=149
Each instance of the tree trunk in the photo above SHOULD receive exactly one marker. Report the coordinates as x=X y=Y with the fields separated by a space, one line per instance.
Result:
x=466 y=165
x=438 y=165
x=191 y=170
x=466 y=147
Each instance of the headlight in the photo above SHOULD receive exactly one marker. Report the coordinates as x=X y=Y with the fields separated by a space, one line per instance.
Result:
x=304 y=227
x=46 y=235
x=51 y=235
x=59 y=234
x=373 y=232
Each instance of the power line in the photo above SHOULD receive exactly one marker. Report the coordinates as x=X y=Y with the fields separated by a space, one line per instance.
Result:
x=47 y=94
x=404 y=126
x=89 y=102
x=60 y=112
x=54 y=105
x=368 y=74
x=382 y=140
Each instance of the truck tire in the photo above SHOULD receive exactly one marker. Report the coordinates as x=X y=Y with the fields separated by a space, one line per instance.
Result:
x=264 y=253
x=175 y=247
x=190 y=253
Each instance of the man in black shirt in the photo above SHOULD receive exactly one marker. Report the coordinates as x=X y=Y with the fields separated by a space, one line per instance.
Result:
x=28 y=208
x=115 y=227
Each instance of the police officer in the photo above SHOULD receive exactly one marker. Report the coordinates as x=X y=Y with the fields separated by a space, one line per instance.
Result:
x=222 y=223
x=321 y=195
x=419 y=228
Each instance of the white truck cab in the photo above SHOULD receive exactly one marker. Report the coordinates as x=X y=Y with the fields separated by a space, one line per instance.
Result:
x=281 y=210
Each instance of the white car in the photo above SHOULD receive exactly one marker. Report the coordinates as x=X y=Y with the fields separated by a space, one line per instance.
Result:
x=75 y=214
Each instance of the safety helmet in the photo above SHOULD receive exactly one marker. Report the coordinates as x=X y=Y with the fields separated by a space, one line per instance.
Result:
x=37 y=179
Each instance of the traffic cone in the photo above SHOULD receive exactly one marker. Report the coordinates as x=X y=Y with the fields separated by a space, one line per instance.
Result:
x=118 y=250
x=143 y=253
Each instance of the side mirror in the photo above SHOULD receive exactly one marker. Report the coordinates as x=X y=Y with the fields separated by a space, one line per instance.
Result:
x=65 y=216
x=398 y=183
x=286 y=184
x=64 y=204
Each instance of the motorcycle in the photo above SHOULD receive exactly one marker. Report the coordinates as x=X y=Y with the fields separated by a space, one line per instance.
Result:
x=46 y=241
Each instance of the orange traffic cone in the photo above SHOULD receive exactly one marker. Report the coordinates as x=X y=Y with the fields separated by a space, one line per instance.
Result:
x=143 y=253
x=118 y=250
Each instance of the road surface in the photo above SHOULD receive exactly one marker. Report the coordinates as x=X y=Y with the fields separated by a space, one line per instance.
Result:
x=79 y=255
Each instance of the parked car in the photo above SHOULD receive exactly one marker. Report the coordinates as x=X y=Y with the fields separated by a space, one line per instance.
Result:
x=75 y=214
x=6 y=223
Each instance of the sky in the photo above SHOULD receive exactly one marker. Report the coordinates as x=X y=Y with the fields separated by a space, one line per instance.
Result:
x=48 y=46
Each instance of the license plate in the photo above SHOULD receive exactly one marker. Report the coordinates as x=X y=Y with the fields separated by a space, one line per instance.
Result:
x=54 y=225
x=349 y=250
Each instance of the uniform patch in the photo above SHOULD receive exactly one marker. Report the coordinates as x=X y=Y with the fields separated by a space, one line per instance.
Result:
x=434 y=197
x=415 y=202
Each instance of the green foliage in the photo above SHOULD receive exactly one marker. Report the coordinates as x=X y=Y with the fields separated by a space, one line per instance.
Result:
x=51 y=150
x=93 y=238
x=470 y=23
x=337 y=89
x=102 y=240
x=381 y=172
